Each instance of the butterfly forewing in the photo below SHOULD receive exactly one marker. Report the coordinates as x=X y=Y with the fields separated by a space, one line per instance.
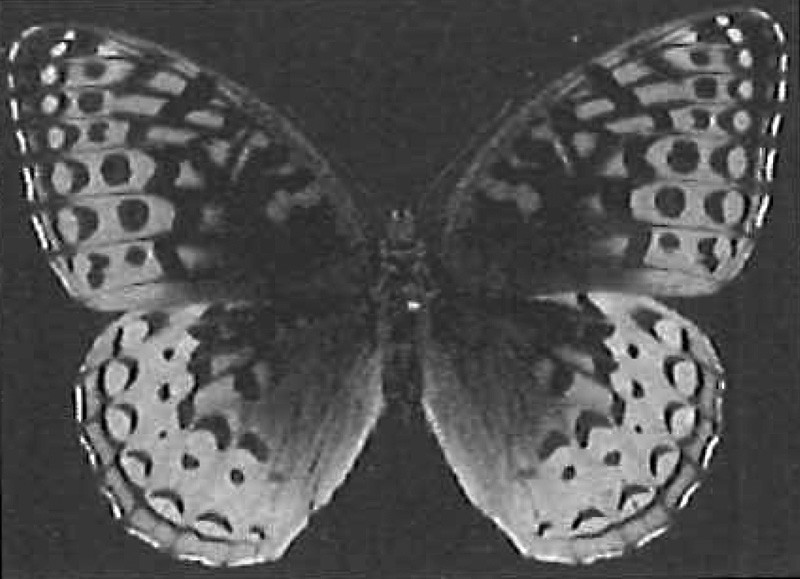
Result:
x=151 y=179
x=647 y=170
x=217 y=428
x=577 y=422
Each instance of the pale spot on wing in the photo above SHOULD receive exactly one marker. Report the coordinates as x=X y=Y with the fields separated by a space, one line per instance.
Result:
x=189 y=177
x=116 y=376
x=167 y=82
x=196 y=259
x=630 y=72
x=742 y=121
x=655 y=92
x=528 y=199
x=615 y=166
x=56 y=137
x=118 y=422
x=61 y=178
x=138 y=105
x=59 y=49
x=733 y=207
x=584 y=143
x=594 y=108
x=68 y=225
x=170 y=135
x=745 y=90
x=166 y=507
x=686 y=377
x=278 y=207
x=218 y=150
x=50 y=104
x=208 y=119
x=640 y=123
x=134 y=467
x=737 y=162
x=49 y=75
x=735 y=35
x=682 y=422
x=745 y=58
x=670 y=333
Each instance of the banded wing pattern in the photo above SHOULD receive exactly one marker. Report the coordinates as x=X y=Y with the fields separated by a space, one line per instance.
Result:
x=228 y=403
x=576 y=413
x=648 y=170
x=217 y=428
x=151 y=179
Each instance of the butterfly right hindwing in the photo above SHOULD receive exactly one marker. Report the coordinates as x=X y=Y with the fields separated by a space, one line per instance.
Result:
x=577 y=422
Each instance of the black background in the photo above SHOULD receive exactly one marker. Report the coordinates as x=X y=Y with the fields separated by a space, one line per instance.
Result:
x=393 y=90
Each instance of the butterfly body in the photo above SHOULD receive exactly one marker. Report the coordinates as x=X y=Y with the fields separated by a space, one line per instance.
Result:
x=263 y=332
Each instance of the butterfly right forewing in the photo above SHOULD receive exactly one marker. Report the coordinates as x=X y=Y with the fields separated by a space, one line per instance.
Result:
x=647 y=170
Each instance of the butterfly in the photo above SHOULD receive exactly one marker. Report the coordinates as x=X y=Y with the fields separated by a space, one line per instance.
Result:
x=260 y=321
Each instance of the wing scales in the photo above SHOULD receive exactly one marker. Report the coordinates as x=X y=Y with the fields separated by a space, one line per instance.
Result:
x=647 y=170
x=216 y=429
x=149 y=178
x=578 y=423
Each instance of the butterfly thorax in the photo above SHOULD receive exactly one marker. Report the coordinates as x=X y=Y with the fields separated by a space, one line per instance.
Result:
x=402 y=293
x=404 y=284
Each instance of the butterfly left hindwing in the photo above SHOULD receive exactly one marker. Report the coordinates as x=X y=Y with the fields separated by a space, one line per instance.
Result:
x=217 y=429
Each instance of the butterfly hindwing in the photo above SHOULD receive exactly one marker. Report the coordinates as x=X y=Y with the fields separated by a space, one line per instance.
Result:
x=151 y=179
x=647 y=170
x=217 y=428
x=577 y=422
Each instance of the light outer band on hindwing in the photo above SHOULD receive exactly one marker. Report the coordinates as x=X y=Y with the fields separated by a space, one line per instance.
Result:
x=152 y=180
x=578 y=423
x=216 y=429
x=647 y=170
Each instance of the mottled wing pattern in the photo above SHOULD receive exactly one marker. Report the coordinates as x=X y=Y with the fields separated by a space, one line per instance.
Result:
x=151 y=179
x=647 y=170
x=577 y=413
x=578 y=422
x=217 y=428
x=233 y=397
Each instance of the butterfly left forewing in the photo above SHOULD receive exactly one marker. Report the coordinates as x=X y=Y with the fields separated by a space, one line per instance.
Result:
x=579 y=423
x=151 y=179
x=648 y=170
